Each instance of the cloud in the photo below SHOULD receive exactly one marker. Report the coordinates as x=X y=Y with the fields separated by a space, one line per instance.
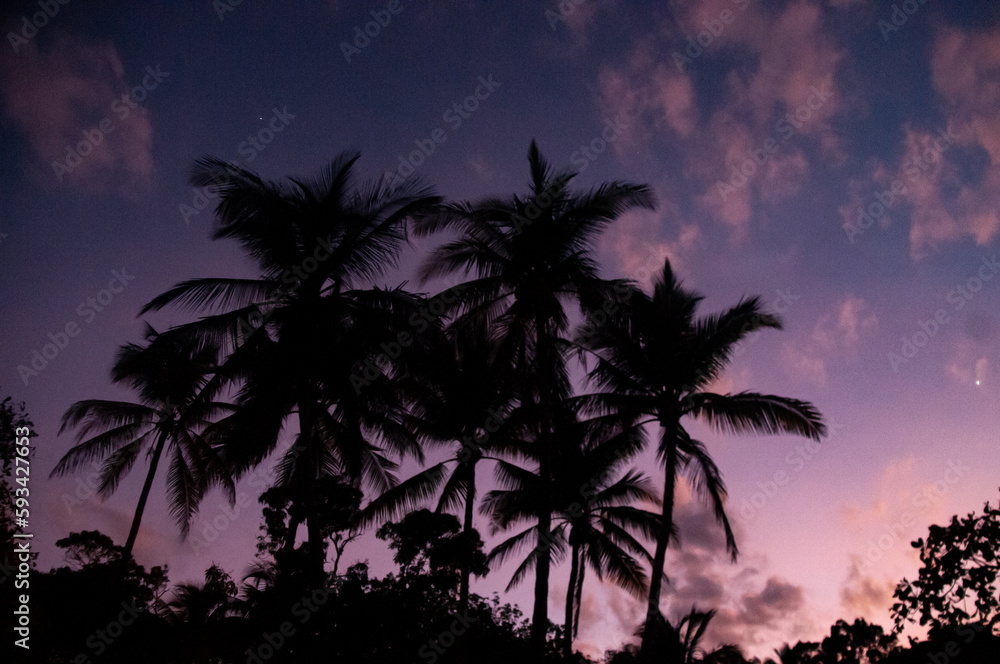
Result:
x=838 y=332
x=778 y=600
x=804 y=364
x=966 y=366
x=577 y=17
x=59 y=100
x=480 y=165
x=965 y=66
x=946 y=203
x=638 y=249
x=783 y=176
x=866 y=596
x=782 y=90
x=844 y=327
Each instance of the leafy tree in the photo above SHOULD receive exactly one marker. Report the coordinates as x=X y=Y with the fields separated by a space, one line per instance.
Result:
x=431 y=544
x=957 y=582
x=174 y=410
x=337 y=511
x=727 y=654
x=13 y=422
x=657 y=361
x=73 y=606
x=531 y=257
x=88 y=548
x=803 y=652
x=856 y=643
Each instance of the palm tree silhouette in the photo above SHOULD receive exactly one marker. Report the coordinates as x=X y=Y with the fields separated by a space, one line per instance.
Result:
x=594 y=515
x=459 y=394
x=530 y=257
x=680 y=643
x=171 y=376
x=303 y=334
x=658 y=361
x=206 y=620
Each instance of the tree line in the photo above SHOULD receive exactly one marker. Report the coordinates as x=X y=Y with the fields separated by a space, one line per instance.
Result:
x=314 y=367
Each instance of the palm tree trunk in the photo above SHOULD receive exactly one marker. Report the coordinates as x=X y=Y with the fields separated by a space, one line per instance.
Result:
x=470 y=497
x=307 y=433
x=133 y=532
x=463 y=592
x=578 y=598
x=569 y=622
x=540 y=613
x=653 y=616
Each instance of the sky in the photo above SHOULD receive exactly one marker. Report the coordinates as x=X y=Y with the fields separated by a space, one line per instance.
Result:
x=841 y=159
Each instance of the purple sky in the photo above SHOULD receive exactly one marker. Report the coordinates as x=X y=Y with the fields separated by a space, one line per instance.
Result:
x=868 y=136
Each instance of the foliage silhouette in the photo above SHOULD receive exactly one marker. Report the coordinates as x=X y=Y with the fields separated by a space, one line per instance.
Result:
x=530 y=257
x=300 y=334
x=594 y=517
x=170 y=374
x=960 y=565
x=659 y=361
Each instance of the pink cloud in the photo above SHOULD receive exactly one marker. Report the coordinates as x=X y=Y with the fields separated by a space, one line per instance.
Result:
x=864 y=596
x=784 y=176
x=62 y=98
x=673 y=94
x=965 y=66
x=850 y=320
x=804 y=364
x=638 y=250
x=790 y=92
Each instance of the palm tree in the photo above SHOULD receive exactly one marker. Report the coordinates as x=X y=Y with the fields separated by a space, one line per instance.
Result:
x=175 y=409
x=306 y=338
x=205 y=619
x=657 y=362
x=594 y=514
x=458 y=394
x=680 y=644
x=531 y=256
x=800 y=653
